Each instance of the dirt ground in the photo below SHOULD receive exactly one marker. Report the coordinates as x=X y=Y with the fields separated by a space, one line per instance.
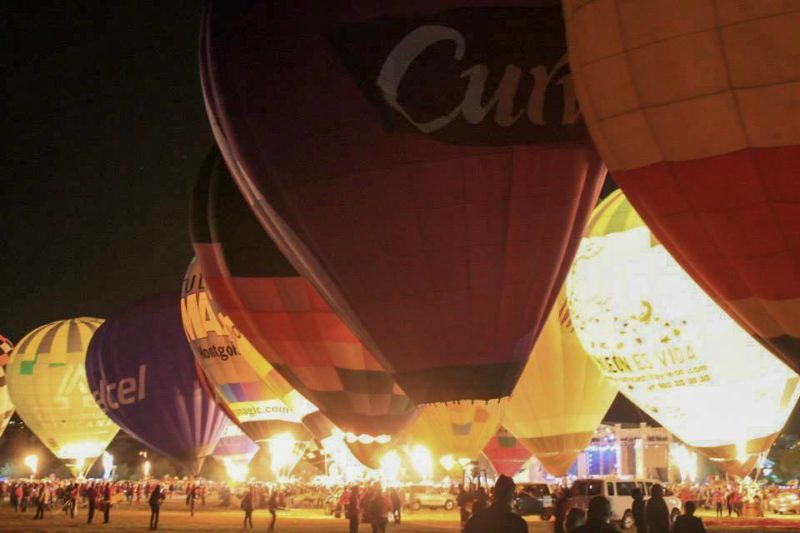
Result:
x=211 y=518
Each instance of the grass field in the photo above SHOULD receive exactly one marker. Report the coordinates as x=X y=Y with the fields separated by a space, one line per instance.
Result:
x=175 y=517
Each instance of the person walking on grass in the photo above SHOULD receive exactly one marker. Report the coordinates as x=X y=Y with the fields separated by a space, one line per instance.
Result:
x=247 y=507
x=155 y=500
x=273 y=505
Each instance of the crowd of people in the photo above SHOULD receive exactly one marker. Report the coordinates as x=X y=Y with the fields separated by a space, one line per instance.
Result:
x=481 y=508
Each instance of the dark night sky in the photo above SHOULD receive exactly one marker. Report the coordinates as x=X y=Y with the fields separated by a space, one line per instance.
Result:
x=105 y=131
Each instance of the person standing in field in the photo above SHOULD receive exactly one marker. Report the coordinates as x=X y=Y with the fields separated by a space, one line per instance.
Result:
x=155 y=500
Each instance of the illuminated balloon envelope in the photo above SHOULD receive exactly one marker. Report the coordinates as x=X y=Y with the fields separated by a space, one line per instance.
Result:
x=234 y=444
x=142 y=374
x=252 y=393
x=721 y=193
x=6 y=407
x=669 y=347
x=287 y=321
x=456 y=431
x=423 y=166
x=47 y=383
x=561 y=397
x=507 y=455
x=235 y=450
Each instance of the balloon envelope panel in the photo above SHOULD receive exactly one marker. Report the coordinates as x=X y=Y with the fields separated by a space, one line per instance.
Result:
x=285 y=318
x=459 y=429
x=561 y=397
x=506 y=453
x=668 y=346
x=245 y=383
x=424 y=167
x=142 y=373
x=6 y=407
x=47 y=383
x=722 y=194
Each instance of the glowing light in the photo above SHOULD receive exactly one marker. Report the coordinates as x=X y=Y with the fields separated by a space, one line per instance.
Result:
x=741 y=452
x=146 y=469
x=390 y=466
x=32 y=462
x=422 y=461
x=685 y=460
x=236 y=470
x=108 y=465
x=447 y=462
x=464 y=461
x=352 y=438
x=81 y=450
x=666 y=344
x=285 y=452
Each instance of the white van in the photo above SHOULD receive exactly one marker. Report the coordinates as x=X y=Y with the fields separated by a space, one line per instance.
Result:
x=620 y=493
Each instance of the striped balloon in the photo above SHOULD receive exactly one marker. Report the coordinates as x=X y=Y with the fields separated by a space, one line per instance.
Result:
x=143 y=374
x=6 y=407
x=47 y=383
x=695 y=105
x=286 y=319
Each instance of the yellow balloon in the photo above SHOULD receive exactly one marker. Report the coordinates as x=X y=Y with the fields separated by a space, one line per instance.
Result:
x=47 y=383
x=669 y=347
x=458 y=429
x=262 y=402
x=560 y=398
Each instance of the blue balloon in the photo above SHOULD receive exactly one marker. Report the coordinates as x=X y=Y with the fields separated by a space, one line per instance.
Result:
x=142 y=373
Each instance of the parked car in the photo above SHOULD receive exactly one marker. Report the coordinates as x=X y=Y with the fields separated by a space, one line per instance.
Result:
x=534 y=499
x=785 y=502
x=432 y=498
x=620 y=494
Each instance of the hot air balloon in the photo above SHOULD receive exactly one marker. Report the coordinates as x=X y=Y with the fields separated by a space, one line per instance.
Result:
x=244 y=381
x=423 y=166
x=561 y=397
x=47 y=383
x=456 y=432
x=721 y=192
x=288 y=322
x=6 y=407
x=142 y=373
x=669 y=347
x=235 y=450
x=506 y=453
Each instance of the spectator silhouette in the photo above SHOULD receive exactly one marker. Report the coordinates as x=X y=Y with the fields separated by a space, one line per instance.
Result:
x=687 y=522
x=638 y=510
x=498 y=518
x=597 y=518
x=656 y=511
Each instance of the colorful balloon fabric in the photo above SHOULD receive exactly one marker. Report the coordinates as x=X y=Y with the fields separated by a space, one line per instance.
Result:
x=234 y=445
x=287 y=321
x=721 y=193
x=561 y=398
x=507 y=455
x=142 y=373
x=423 y=166
x=669 y=347
x=458 y=429
x=239 y=376
x=6 y=407
x=47 y=384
